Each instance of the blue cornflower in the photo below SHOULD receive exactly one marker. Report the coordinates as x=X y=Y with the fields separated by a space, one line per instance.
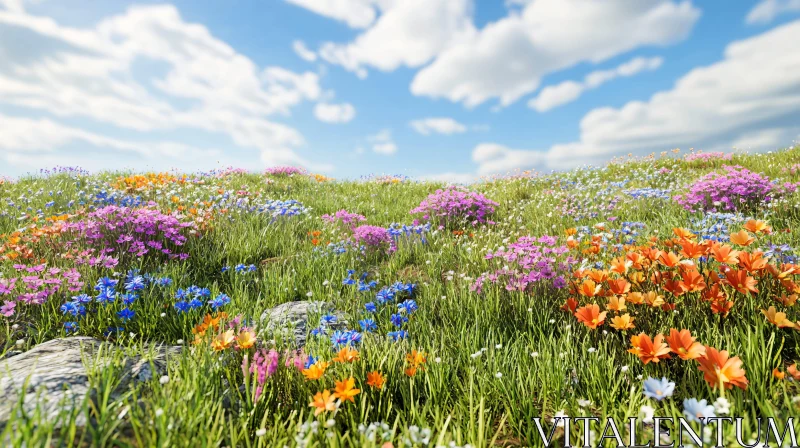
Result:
x=319 y=331
x=71 y=326
x=340 y=338
x=126 y=314
x=251 y=268
x=695 y=410
x=397 y=335
x=163 y=281
x=182 y=306
x=135 y=284
x=310 y=361
x=82 y=299
x=239 y=267
x=106 y=296
x=658 y=389
x=225 y=269
x=407 y=306
x=195 y=303
x=106 y=283
x=203 y=292
x=73 y=308
x=180 y=294
x=129 y=298
x=368 y=325
x=348 y=281
x=219 y=301
x=398 y=319
x=327 y=319
x=353 y=336
x=370 y=307
x=111 y=330
x=384 y=295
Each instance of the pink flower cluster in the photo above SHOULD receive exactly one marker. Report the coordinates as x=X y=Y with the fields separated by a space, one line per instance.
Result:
x=734 y=189
x=706 y=156
x=284 y=170
x=345 y=218
x=134 y=231
x=374 y=238
x=455 y=205
x=527 y=262
x=34 y=285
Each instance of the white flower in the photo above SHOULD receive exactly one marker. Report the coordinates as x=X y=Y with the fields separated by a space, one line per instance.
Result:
x=623 y=369
x=646 y=413
x=534 y=354
x=437 y=360
x=20 y=342
x=722 y=406
x=592 y=350
x=164 y=379
x=159 y=412
x=325 y=283
x=530 y=310
x=476 y=354
x=261 y=432
x=180 y=341
x=584 y=403
x=552 y=321
x=498 y=375
x=309 y=294
x=163 y=314
x=638 y=377
x=330 y=423
x=498 y=346
x=561 y=415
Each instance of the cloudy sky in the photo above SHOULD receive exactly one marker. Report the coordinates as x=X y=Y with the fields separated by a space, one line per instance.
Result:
x=449 y=89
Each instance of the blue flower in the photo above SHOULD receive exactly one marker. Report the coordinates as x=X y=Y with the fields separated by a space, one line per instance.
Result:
x=83 y=299
x=135 y=284
x=219 y=301
x=407 y=306
x=71 y=326
x=239 y=267
x=370 y=307
x=195 y=303
x=73 y=308
x=106 y=296
x=126 y=314
x=310 y=361
x=180 y=294
x=129 y=298
x=111 y=330
x=163 y=281
x=225 y=269
x=353 y=336
x=368 y=325
x=342 y=338
x=319 y=331
x=658 y=389
x=106 y=283
x=182 y=306
x=398 y=319
x=328 y=319
x=397 y=335
x=695 y=410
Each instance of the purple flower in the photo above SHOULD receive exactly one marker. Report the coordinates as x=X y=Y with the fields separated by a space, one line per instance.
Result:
x=373 y=238
x=7 y=309
x=455 y=205
x=284 y=170
x=734 y=189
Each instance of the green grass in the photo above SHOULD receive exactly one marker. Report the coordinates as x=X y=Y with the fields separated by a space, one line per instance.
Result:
x=458 y=397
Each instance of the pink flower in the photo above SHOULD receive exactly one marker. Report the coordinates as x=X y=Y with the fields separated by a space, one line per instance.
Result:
x=8 y=308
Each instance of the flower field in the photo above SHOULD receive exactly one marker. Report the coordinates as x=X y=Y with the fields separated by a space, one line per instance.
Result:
x=454 y=315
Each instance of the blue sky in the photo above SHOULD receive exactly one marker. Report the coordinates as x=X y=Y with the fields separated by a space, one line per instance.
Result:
x=446 y=89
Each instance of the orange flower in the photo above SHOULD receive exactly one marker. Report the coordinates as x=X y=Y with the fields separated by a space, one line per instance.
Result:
x=570 y=305
x=620 y=265
x=724 y=253
x=787 y=300
x=777 y=319
x=223 y=340
x=619 y=286
x=752 y=262
x=411 y=371
x=683 y=233
x=616 y=304
x=720 y=370
x=323 y=402
x=315 y=371
x=345 y=390
x=246 y=339
x=649 y=350
x=683 y=344
x=721 y=306
x=346 y=354
x=741 y=281
x=693 y=281
x=742 y=238
x=416 y=358
x=792 y=370
x=669 y=259
x=571 y=231
x=622 y=323
x=375 y=379
x=778 y=374
x=675 y=287
x=591 y=316
x=757 y=226
x=635 y=298
x=588 y=288
x=692 y=249
x=653 y=299
x=598 y=276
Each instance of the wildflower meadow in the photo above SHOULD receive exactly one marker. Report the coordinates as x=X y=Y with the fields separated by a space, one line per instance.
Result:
x=433 y=314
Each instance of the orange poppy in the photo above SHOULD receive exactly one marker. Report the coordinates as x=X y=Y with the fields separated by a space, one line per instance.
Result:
x=649 y=350
x=570 y=305
x=599 y=276
x=620 y=265
x=616 y=304
x=724 y=253
x=776 y=318
x=742 y=238
x=591 y=316
x=684 y=345
x=693 y=281
x=683 y=233
x=721 y=306
x=676 y=287
x=721 y=370
x=315 y=371
x=346 y=354
x=690 y=249
x=588 y=288
x=346 y=390
x=623 y=322
x=653 y=299
x=619 y=286
x=752 y=262
x=778 y=374
x=792 y=370
x=758 y=226
x=741 y=281
x=635 y=298
x=787 y=300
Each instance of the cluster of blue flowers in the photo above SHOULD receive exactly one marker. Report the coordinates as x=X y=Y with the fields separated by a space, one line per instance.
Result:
x=398 y=293
x=338 y=337
x=194 y=297
x=648 y=193
x=363 y=285
x=782 y=252
x=407 y=233
x=276 y=208
x=717 y=226
x=241 y=268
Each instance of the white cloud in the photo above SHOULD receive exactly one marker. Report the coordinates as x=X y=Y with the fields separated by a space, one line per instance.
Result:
x=355 y=13
x=441 y=125
x=568 y=91
x=201 y=82
x=334 y=113
x=382 y=142
x=507 y=58
x=303 y=52
x=766 y=10
x=751 y=97
x=408 y=33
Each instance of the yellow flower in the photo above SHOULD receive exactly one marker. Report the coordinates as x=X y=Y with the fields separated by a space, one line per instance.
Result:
x=223 y=340
x=246 y=339
x=315 y=371
x=622 y=323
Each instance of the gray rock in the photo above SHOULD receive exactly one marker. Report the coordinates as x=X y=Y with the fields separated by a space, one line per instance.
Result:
x=290 y=319
x=56 y=374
